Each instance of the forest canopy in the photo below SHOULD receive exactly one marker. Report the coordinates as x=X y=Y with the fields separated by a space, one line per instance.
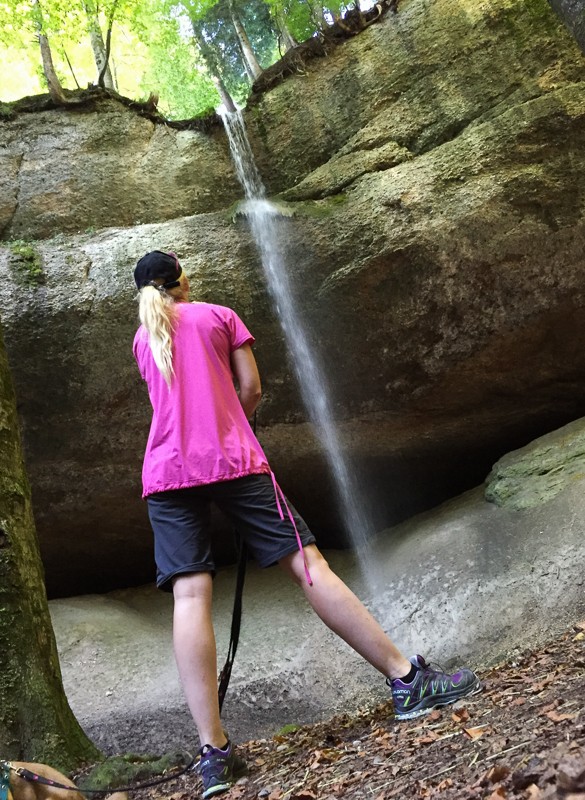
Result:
x=183 y=53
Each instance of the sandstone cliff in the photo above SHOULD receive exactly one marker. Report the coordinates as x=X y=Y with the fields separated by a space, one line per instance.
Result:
x=434 y=166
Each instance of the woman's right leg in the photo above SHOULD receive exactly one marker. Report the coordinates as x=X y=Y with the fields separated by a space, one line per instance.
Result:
x=195 y=653
x=344 y=613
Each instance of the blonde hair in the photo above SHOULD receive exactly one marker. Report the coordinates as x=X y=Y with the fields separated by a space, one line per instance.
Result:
x=158 y=314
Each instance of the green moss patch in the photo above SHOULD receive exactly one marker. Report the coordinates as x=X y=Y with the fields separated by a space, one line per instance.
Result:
x=131 y=769
x=26 y=263
x=319 y=209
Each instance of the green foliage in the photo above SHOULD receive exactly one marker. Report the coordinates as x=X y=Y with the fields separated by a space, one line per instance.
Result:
x=172 y=48
x=298 y=18
x=217 y=40
x=175 y=70
x=303 y=18
x=16 y=23
x=27 y=263
x=286 y=729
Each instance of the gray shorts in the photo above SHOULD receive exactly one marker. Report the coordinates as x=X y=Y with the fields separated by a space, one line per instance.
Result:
x=180 y=520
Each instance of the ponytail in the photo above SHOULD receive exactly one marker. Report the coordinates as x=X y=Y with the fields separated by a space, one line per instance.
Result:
x=158 y=314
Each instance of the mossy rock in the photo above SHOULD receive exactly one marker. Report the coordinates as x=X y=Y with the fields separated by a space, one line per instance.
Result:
x=131 y=769
x=538 y=472
x=26 y=263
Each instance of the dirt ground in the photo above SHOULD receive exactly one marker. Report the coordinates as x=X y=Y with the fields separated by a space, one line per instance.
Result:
x=522 y=737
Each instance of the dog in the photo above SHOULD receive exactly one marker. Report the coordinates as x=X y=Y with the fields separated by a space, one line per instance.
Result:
x=21 y=789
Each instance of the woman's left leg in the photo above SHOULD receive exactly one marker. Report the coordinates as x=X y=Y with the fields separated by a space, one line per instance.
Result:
x=196 y=655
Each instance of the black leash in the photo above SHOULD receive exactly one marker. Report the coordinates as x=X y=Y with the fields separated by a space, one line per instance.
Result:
x=226 y=673
x=33 y=777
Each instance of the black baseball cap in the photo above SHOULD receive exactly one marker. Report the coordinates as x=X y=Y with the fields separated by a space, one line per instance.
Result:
x=156 y=265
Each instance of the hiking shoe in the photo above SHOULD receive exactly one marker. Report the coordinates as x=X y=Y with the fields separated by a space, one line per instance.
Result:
x=219 y=769
x=430 y=688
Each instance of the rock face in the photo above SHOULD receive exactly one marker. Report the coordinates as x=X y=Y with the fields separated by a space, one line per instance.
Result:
x=68 y=171
x=434 y=168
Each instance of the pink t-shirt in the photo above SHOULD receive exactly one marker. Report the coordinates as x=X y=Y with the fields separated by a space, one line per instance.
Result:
x=199 y=433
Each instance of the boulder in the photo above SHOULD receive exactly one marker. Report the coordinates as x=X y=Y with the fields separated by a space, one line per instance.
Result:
x=538 y=472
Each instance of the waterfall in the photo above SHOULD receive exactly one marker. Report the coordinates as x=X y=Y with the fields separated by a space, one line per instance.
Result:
x=263 y=218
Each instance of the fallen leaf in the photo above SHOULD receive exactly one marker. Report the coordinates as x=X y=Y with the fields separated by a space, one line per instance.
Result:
x=497 y=773
x=556 y=717
x=498 y=794
x=428 y=737
x=579 y=626
x=542 y=684
x=461 y=715
x=579 y=637
x=328 y=754
x=475 y=733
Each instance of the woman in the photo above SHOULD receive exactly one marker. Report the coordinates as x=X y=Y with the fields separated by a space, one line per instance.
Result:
x=201 y=449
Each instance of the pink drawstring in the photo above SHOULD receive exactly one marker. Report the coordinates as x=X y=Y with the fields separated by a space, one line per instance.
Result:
x=278 y=491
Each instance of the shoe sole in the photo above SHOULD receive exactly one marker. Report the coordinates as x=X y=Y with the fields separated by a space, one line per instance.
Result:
x=224 y=787
x=217 y=789
x=421 y=712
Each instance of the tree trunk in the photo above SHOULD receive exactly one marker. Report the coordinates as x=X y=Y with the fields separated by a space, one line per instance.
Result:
x=288 y=40
x=98 y=45
x=285 y=36
x=53 y=83
x=226 y=97
x=317 y=14
x=253 y=67
x=36 y=723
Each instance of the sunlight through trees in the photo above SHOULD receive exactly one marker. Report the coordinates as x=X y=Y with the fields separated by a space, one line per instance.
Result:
x=180 y=52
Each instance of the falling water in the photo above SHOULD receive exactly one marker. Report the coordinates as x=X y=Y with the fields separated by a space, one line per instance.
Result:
x=263 y=217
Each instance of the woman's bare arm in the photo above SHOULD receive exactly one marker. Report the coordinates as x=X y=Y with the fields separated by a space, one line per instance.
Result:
x=248 y=378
